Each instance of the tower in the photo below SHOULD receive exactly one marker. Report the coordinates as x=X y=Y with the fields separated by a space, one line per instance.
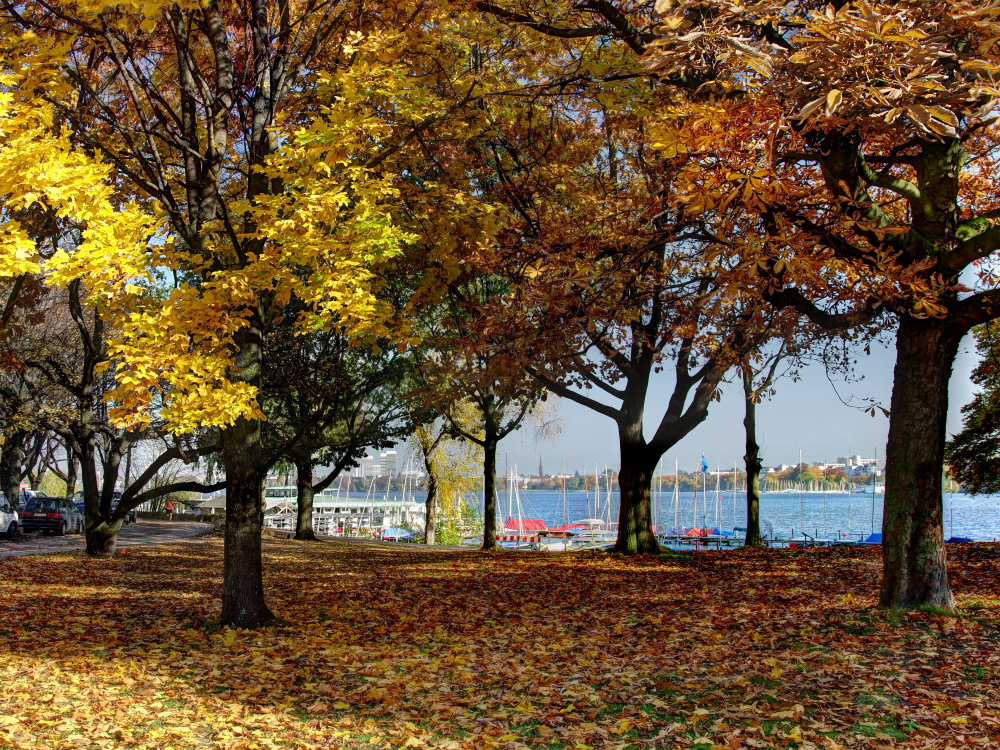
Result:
x=540 y=472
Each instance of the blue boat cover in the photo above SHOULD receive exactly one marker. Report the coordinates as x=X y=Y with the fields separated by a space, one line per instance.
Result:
x=959 y=540
x=396 y=533
x=873 y=539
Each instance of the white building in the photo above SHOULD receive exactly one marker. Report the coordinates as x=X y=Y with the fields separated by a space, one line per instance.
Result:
x=336 y=513
x=389 y=463
x=369 y=467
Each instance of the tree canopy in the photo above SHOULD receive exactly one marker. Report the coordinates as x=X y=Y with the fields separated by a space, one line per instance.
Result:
x=572 y=196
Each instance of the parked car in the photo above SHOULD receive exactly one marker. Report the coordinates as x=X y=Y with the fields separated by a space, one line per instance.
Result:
x=130 y=516
x=8 y=517
x=55 y=514
x=25 y=495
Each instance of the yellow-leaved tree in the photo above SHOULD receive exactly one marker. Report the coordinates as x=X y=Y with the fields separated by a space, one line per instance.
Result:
x=62 y=223
x=278 y=144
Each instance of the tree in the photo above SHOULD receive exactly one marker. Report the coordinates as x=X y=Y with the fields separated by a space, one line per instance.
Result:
x=48 y=191
x=475 y=379
x=973 y=455
x=609 y=282
x=792 y=339
x=859 y=139
x=876 y=199
x=448 y=462
x=756 y=381
x=327 y=402
x=66 y=372
x=271 y=139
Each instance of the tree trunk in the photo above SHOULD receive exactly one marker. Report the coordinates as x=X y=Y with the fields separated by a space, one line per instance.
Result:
x=304 y=485
x=635 y=527
x=635 y=475
x=489 y=493
x=243 y=604
x=752 y=463
x=71 y=473
x=913 y=554
x=430 y=514
x=102 y=538
x=11 y=460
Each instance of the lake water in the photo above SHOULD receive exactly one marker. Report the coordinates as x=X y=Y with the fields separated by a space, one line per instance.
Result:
x=973 y=516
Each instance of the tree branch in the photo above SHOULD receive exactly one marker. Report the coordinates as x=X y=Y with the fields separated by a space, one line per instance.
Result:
x=191 y=486
x=791 y=297
x=561 y=390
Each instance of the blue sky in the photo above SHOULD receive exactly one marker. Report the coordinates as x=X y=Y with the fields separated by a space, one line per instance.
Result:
x=806 y=414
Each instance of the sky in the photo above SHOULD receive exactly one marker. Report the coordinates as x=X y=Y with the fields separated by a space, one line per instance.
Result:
x=806 y=415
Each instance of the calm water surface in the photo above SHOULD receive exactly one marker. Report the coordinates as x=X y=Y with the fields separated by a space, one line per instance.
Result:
x=853 y=515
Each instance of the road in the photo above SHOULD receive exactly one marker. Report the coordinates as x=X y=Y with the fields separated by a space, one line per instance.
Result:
x=141 y=534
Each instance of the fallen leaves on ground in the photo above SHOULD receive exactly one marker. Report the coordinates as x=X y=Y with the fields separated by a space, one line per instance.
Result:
x=402 y=647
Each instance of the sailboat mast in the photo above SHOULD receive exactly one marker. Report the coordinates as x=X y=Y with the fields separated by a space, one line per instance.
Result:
x=735 y=481
x=695 y=523
x=606 y=510
x=718 y=496
x=508 y=479
x=677 y=494
x=874 y=474
x=802 y=508
x=564 y=491
x=520 y=522
x=824 y=501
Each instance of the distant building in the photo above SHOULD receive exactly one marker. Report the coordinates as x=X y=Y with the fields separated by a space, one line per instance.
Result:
x=369 y=467
x=389 y=463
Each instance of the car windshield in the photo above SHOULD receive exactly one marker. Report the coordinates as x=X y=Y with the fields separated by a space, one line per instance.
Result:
x=42 y=504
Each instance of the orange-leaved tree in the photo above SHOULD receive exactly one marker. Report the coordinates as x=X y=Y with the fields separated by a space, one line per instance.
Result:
x=610 y=281
x=860 y=139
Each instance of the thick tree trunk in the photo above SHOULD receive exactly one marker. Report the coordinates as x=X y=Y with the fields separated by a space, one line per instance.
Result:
x=635 y=476
x=102 y=538
x=430 y=513
x=752 y=463
x=635 y=479
x=913 y=553
x=243 y=604
x=489 y=493
x=11 y=460
x=304 y=513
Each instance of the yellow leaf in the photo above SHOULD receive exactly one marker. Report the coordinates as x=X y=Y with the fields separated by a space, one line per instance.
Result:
x=833 y=99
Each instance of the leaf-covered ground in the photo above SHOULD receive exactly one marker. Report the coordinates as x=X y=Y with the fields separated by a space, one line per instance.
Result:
x=396 y=646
